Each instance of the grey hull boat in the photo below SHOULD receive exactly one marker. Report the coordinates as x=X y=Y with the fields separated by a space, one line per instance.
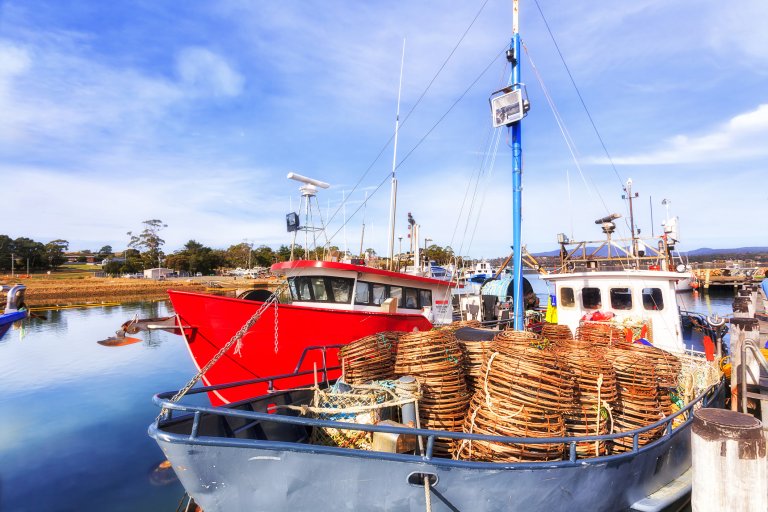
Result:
x=247 y=457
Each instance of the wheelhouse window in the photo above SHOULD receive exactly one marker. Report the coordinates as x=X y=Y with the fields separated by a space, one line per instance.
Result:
x=379 y=294
x=374 y=294
x=590 y=298
x=653 y=300
x=411 y=300
x=320 y=289
x=341 y=289
x=621 y=298
x=567 y=298
x=395 y=292
x=363 y=293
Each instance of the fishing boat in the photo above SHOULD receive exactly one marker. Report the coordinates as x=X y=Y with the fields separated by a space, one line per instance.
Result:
x=328 y=304
x=415 y=438
x=15 y=309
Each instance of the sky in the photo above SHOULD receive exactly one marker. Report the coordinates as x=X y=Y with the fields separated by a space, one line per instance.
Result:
x=113 y=113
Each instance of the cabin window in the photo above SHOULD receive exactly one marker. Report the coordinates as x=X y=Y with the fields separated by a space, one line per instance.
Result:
x=318 y=289
x=590 y=298
x=653 y=299
x=379 y=294
x=566 y=297
x=302 y=289
x=396 y=292
x=621 y=298
x=292 y=286
x=341 y=288
x=425 y=298
x=363 y=293
x=411 y=299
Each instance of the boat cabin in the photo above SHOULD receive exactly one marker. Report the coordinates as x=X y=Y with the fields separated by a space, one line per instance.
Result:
x=644 y=297
x=345 y=286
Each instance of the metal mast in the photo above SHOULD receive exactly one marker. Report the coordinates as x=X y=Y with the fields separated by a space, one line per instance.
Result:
x=629 y=196
x=393 y=192
x=513 y=55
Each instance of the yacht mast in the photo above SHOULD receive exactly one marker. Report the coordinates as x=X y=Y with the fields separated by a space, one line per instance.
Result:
x=513 y=55
x=393 y=192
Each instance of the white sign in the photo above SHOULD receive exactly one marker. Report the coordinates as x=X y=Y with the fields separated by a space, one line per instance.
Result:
x=507 y=108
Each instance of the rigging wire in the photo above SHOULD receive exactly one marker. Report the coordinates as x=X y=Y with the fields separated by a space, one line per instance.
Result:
x=413 y=108
x=570 y=143
x=424 y=137
x=578 y=93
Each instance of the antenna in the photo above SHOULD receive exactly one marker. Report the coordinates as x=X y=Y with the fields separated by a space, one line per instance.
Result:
x=393 y=192
x=629 y=196
x=308 y=191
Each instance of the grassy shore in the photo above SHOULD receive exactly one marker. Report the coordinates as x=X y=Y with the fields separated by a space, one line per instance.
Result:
x=69 y=286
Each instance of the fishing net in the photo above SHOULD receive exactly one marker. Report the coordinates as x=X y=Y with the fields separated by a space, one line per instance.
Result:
x=350 y=404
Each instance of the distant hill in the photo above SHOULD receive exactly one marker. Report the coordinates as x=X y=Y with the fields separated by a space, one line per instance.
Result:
x=704 y=251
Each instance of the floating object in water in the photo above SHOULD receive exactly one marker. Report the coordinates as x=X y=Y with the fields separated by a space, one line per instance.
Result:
x=163 y=474
x=118 y=341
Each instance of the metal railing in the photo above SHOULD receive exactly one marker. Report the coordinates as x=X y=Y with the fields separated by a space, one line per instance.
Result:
x=197 y=411
x=753 y=346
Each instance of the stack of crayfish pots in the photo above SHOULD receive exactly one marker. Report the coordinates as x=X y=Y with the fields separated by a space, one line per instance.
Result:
x=525 y=385
x=435 y=360
x=525 y=391
x=369 y=359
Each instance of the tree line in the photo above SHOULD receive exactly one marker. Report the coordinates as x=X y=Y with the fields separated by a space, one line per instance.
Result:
x=145 y=250
x=22 y=253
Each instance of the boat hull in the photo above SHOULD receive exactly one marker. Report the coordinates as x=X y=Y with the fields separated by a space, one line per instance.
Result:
x=210 y=321
x=304 y=477
x=255 y=455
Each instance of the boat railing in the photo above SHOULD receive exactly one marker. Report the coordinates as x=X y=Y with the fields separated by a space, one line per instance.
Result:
x=163 y=400
x=323 y=349
x=753 y=346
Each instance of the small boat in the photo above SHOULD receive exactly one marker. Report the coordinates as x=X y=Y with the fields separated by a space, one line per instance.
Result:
x=419 y=439
x=15 y=309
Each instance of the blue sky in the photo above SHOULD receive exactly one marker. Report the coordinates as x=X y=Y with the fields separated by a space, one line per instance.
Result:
x=112 y=113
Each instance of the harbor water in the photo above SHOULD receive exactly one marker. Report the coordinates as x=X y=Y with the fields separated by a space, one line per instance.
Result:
x=74 y=414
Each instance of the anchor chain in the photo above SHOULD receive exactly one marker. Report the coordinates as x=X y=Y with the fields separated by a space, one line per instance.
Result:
x=276 y=331
x=273 y=299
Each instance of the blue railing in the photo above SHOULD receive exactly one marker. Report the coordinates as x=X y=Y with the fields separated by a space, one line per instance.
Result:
x=163 y=400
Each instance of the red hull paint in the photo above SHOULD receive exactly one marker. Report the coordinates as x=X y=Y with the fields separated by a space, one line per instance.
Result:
x=216 y=319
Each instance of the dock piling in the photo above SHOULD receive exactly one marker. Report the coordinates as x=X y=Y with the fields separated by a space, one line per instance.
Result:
x=730 y=468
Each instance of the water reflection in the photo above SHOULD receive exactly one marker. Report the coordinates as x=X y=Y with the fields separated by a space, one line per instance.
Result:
x=77 y=412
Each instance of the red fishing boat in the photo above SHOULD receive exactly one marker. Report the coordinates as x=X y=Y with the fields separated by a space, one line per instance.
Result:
x=329 y=303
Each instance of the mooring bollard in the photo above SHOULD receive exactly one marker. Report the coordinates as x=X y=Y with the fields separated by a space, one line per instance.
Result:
x=730 y=468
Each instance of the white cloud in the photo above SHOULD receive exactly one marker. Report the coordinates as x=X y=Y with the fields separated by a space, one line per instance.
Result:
x=209 y=73
x=741 y=138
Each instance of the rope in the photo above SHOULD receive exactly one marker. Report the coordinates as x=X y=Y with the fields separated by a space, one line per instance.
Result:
x=237 y=338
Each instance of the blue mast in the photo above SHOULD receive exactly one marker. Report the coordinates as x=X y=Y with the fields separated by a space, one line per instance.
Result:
x=517 y=178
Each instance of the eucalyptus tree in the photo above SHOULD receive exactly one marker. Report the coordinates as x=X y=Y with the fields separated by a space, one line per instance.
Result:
x=149 y=242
